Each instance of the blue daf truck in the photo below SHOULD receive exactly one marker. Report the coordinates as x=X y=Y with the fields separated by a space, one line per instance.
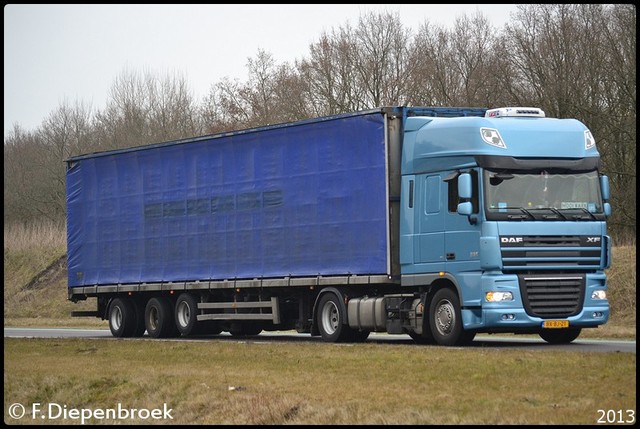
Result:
x=439 y=223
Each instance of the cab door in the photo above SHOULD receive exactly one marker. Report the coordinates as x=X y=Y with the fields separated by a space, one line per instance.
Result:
x=430 y=243
x=462 y=237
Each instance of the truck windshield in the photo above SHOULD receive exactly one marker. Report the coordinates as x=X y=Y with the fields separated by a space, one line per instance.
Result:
x=542 y=195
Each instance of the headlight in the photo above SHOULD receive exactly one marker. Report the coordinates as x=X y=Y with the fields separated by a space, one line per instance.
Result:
x=599 y=294
x=498 y=296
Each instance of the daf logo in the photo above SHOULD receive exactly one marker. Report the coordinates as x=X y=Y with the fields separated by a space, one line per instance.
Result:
x=511 y=239
x=593 y=239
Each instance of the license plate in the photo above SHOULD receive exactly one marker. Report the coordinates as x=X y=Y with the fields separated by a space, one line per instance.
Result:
x=554 y=324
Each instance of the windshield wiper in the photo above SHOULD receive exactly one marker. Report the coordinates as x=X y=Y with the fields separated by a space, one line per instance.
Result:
x=554 y=210
x=522 y=209
x=591 y=215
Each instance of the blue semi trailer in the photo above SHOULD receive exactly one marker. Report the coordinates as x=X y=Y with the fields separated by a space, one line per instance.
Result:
x=438 y=223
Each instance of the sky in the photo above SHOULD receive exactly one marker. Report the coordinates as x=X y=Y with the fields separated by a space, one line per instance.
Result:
x=55 y=54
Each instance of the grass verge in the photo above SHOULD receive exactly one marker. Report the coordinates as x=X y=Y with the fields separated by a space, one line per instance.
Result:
x=222 y=382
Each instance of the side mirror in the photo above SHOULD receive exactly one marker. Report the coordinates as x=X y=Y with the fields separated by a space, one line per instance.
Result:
x=465 y=208
x=464 y=186
x=465 y=192
x=604 y=186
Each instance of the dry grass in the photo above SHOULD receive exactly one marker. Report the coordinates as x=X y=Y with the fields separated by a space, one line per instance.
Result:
x=44 y=235
x=235 y=382
x=622 y=284
x=30 y=290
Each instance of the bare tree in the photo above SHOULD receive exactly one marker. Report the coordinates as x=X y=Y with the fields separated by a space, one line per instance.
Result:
x=144 y=108
x=382 y=58
x=172 y=112
x=458 y=66
x=331 y=74
x=35 y=163
x=123 y=123
x=617 y=130
x=20 y=148
x=289 y=92
x=274 y=93
x=66 y=132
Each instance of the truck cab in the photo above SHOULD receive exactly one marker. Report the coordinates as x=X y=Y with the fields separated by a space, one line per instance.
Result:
x=503 y=220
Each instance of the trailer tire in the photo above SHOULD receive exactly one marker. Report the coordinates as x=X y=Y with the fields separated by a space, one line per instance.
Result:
x=210 y=327
x=445 y=319
x=140 y=328
x=332 y=320
x=186 y=315
x=560 y=336
x=159 y=318
x=244 y=329
x=122 y=318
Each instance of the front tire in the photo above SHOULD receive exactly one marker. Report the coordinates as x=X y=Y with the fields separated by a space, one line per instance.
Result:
x=445 y=319
x=560 y=336
x=424 y=338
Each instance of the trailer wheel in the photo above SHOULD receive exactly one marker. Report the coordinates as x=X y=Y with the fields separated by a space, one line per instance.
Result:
x=445 y=319
x=210 y=327
x=186 y=314
x=159 y=318
x=560 y=336
x=140 y=328
x=331 y=320
x=122 y=318
x=244 y=329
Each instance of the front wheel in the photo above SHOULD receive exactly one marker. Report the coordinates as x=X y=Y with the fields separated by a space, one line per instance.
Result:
x=445 y=319
x=424 y=338
x=560 y=336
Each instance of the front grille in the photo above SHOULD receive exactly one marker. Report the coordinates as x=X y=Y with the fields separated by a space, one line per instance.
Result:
x=552 y=296
x=551 y=252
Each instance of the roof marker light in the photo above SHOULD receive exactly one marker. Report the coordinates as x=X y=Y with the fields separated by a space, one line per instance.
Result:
x=492 y=136
x=589 y=141
x=527 y=112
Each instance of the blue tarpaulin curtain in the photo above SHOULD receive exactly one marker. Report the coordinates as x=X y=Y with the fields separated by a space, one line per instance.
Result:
x=298 y=200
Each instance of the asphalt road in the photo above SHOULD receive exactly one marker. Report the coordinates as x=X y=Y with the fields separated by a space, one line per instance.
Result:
x=481 y=341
